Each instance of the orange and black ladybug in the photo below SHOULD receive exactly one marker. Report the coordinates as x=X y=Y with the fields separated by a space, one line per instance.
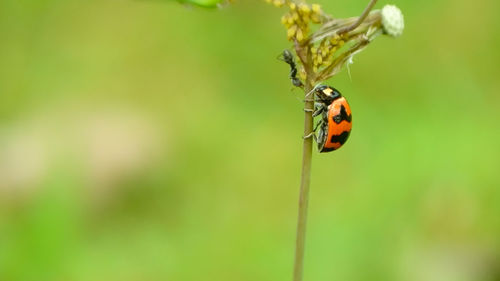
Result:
x=336 y=119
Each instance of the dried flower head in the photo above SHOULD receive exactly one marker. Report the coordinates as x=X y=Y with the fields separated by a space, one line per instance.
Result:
x=324 y=52
x=392 y=20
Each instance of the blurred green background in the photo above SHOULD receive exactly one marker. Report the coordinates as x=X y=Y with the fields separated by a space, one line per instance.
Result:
x=153 y=141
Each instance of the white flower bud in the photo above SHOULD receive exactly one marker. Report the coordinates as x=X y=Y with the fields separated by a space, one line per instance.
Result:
x=392 y=20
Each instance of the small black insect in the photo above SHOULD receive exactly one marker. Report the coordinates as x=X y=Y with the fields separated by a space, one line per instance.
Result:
x=287 y=57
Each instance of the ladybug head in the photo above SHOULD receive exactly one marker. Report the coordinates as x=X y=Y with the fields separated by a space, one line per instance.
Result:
x=327 y=94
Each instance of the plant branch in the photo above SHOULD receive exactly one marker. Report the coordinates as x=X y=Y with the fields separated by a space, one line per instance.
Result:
x=337 y=64
x=360 y=19
x=331 y=28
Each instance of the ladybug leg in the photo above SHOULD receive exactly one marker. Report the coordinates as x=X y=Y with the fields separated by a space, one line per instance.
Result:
x=317 y=125
x=311 y=135
x=321 y=139
x=322 y=134
x=312 y=91
x=320 y=108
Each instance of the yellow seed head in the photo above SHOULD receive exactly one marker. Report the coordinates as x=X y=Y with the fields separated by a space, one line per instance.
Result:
x=291 y=31
x=316 y=8
x=278 y=3
x=324 y=52
x=300 y=35
x=302 y=74
x=315 y=18
x=305 y=19
x=284 y=20
x=292 y=6
x=304 y=8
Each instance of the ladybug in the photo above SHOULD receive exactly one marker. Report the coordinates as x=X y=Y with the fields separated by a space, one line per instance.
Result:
x=336 y=119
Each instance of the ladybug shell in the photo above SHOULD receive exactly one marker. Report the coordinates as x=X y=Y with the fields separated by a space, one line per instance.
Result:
x=338 y=125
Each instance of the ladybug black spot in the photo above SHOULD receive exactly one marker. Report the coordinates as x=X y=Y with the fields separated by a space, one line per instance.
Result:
x=342 y=138
x=342 y=116
x=327 y=149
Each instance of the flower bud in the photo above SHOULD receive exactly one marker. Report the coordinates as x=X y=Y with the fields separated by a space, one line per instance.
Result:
x=392 y=20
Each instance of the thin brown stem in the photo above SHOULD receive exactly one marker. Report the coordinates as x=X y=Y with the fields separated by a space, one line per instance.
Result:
x=304 y=186
x=337 y=64
x=360 y=19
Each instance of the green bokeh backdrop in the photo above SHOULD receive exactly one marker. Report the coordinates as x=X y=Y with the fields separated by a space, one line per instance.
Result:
x=153 y=141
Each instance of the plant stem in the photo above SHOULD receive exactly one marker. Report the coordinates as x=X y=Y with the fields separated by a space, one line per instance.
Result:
x=304 y=187
x=360 y=19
